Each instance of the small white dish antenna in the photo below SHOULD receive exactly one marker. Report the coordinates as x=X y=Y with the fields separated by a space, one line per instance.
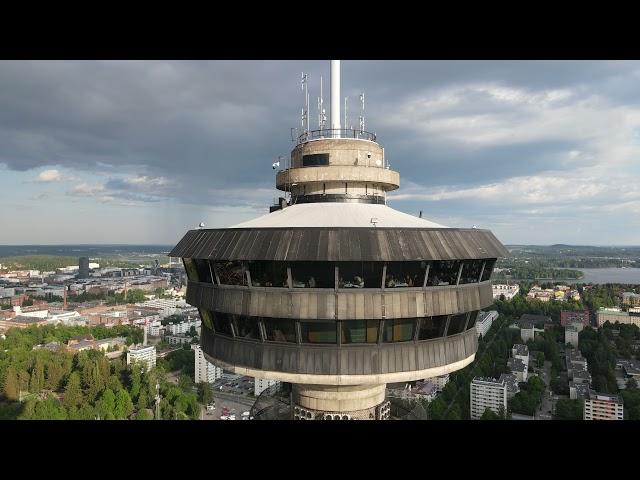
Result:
x=201 y=225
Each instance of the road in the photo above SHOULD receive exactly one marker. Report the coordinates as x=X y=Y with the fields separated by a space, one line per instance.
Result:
x=547 y=398
x=236 y=405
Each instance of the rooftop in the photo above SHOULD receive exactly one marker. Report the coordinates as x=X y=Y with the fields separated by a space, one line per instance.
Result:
x=521 y=350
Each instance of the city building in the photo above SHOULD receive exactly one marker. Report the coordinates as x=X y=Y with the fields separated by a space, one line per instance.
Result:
x=205 y=371
x=484 y=322
x=145 y=355
x=509 y=291
x=518 y=368
x=511 y=382
x=569 y=317
x=166 y=306
x=521 y=352
x=613 y=315
x=439 y=381
x=178 y=339
x=261 y=384
x=530 y=324
x=603 y=406
x=334 y=291
x=631 y=299
x=425 y=390
x=578 y=391
x=631 y=369
x=83 y=267
x=181 y=328
x=487 y=393
x=571 y=334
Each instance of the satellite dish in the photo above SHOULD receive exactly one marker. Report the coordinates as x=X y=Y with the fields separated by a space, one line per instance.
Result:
x=378 y=162
x=201 y=225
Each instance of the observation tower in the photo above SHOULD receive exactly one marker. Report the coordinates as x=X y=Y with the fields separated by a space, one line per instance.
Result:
x=333 y=291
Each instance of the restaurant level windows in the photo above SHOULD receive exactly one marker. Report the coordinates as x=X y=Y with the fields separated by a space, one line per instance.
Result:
x=192 y=271
x=318 y=332
x=312 y=274
x=432 y=327
x=247 y=327
x=360 y=274
x=443 y=272
x=204 y=272
x=206 y=317
x=398 y=330
x=268 y=274
x=473 y=316
x=471 y=271
x=488 y=268
x=456 y=324
x=359 y=331
x=280 y=329
x=315 y=160
x=231 y=273
x=222 y=323
x=405 y=274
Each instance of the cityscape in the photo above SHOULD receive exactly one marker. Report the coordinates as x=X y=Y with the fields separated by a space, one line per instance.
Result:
x=340 y=297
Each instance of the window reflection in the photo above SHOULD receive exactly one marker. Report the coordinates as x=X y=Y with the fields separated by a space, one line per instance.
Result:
x=313 y=274
x=471 y=271
x=280 y=329
x=268 y=274
x=405 y=274
x=205 y=315
x=222 y=323
x=443 y=272
x=360 y=274
x=488 y=268
x=473 y=316
x=247 y=327
x=398 y=330
x=359 y=331
x=432 y=327
x=318 y=332
x=192 y=271
x=204 y=274
x=456 y=324
x=231 y=273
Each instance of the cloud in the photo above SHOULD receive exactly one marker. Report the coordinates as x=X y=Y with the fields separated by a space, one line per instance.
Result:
x=47 y=176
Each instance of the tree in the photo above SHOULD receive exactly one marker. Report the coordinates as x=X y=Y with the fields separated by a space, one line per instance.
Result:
x=123 y=405
x=11 y=387
x=490 y=415
x=73 y=391
x=144 y=414
x=569 y=409
x=632 y=384
x=107 y=404
x=206 y=393
x=36 y=383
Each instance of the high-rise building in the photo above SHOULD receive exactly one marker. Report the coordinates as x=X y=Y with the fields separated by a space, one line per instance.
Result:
x=83 y=267
x=603 y=406
x=205 y=370
x=144 y=355
x=261 y=384
x=569 y=317
x=334 y=291
x=488 y=393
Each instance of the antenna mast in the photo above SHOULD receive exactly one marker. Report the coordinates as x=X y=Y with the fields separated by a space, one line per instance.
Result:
x=322 y=118
x=362 y=112
x=335 y=98
x=305 y=110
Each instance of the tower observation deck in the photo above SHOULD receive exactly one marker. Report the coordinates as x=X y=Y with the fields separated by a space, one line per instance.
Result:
x=337 y=293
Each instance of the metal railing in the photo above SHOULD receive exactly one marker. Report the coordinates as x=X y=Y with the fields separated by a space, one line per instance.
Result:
x=336 y=133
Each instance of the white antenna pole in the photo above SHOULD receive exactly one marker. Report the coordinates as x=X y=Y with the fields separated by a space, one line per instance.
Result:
x=335 y=97
x=346 y=125
x=362 y=112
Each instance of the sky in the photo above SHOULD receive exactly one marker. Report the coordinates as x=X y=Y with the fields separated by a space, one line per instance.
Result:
x=138 y=152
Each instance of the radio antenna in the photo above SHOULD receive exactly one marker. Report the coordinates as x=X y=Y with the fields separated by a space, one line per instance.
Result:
x=362 y=112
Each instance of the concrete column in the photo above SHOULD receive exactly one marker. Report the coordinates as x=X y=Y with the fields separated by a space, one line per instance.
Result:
x=338 y=398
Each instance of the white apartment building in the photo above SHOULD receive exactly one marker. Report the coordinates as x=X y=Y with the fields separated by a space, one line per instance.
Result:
x=205 y=370
x=484 y=322
x=487 y=393
x=142 y=354
x=571 y=335
x=509 y=291
x=167 y=306
x=154 y=328
x=613 y=315
x=602 y=406
x=182 y=327
x=261 y=384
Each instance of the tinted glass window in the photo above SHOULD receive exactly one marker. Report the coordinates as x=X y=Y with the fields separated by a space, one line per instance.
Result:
x=231 y=273
x=204 y=274
x=456 y=324
x=473 y=316
x=192 y=271
x=268 y=274
x=471 y=271
x=313 y=274
x=432 y=327
x=360 y=331
x=398 y=330
x=222 y=323
x=315 y=160
x=405 y=274
x=488 y=268
x=443 y=272
x=247 y=327
x=280 y=329
x=318 y=332
x=360 y=274
x=206 y=317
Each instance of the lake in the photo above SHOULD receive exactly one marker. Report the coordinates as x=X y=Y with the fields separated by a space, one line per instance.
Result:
x=610 y=275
